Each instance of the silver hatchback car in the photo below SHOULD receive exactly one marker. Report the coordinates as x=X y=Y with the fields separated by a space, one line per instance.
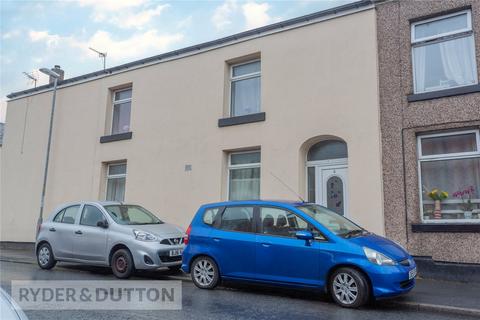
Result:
x=123 y=236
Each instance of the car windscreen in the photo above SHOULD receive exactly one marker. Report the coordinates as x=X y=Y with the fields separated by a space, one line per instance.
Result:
x=334 y=222
x=131 y=215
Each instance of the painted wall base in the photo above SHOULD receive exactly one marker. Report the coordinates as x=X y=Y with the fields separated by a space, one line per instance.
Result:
x=447 y=271
x=14 y=245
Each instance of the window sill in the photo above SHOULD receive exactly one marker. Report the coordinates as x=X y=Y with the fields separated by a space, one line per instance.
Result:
x=446 y=227
x=116 y=137
x=249 y=118
x=443 y=93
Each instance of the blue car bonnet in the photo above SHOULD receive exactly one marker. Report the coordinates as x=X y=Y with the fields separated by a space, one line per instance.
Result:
x=382 y=245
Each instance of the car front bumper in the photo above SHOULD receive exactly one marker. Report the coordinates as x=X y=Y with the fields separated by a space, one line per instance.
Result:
x=390 y=281
x=153 y=255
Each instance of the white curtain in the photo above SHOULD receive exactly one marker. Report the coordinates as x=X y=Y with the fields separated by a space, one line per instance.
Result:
x=451 y=176
x=458 y=60
x=444 y=64
x=115 y=189
x=244 y=184
x=420 y=68
x=246 y=96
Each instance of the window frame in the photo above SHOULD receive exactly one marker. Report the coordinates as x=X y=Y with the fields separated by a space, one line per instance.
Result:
x=446 y=36
x=215 y=221
x=448 y=156
x=259 y=224
x=243 y=77
x=62 y=212
x=115 y=176
x=218 y=221
x=83 y=211
x=443 y=157
x=120 y=101
x=231 y=166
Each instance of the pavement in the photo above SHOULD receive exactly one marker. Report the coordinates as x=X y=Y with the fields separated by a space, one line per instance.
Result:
x=454 y=300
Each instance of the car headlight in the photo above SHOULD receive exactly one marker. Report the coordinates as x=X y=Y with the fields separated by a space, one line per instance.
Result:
x=378 y=258
x=144 y=236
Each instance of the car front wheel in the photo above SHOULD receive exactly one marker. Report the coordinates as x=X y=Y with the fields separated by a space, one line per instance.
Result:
x=45 y=257
x=122 y=264
x=349 y=288
x=205 y=273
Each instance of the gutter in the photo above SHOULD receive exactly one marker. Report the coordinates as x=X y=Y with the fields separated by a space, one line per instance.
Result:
x=294 y=23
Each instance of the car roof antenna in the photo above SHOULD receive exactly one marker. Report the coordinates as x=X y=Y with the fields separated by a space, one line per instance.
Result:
x=287 y=186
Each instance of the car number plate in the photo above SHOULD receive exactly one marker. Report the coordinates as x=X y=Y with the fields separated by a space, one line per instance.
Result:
x=176 y=252
x=412 y=273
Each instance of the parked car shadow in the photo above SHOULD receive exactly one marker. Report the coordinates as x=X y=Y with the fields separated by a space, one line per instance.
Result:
x=306 y=294
x=242 y=287
x=160 y=274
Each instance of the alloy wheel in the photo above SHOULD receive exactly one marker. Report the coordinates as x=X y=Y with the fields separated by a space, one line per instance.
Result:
x=345 y=288
x=121 y=264
x=44 y=256
x=204 y=272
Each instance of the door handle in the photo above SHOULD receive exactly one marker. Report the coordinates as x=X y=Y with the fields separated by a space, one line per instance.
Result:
x=52 y=229
x=216 y=239
x=266 y=245
x=78 y=232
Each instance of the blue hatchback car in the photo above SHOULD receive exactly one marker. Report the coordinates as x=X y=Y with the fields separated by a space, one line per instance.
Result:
x=294 y=244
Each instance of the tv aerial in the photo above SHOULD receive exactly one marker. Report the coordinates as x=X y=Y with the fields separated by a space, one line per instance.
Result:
x=31 y=77
x=102 y=55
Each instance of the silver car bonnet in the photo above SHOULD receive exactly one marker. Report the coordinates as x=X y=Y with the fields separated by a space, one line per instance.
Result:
x=161 y=230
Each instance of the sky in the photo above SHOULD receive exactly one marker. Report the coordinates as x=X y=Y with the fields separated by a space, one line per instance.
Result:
x=36 y=34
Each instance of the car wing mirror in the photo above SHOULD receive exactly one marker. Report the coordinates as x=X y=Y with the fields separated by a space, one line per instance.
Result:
x=102 y=224
x=305 y=235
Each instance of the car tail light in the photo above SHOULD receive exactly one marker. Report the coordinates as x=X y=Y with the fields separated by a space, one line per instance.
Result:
x=185 y=240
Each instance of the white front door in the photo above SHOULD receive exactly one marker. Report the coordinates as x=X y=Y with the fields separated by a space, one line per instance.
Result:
x=331 y=188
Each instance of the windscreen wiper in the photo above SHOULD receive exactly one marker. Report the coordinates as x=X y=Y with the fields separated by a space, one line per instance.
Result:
x=351 y=233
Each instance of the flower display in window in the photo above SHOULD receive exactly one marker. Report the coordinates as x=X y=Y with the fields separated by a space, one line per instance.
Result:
x=466 y=196
x=438 y=196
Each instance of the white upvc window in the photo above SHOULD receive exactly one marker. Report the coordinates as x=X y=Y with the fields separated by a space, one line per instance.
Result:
x=244 y=175
x=122 y=104
x=443 y=52
x=450 y=162
x=245 y=88
x=116 y=181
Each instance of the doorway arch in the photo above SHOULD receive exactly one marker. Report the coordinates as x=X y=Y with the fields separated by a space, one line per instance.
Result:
x=327 y=174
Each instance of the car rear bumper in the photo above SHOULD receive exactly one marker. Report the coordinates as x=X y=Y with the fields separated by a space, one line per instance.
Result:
x=153 y=255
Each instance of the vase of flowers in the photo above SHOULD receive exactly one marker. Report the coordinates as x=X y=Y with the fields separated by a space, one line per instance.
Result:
x=437 y=196
x=466 y=196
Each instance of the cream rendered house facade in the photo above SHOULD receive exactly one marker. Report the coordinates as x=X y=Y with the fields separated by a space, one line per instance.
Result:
x=172 y=132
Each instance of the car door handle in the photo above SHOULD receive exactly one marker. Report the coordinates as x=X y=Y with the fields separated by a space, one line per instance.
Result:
x=52 y=229
x=266 y=245
x=78 y=232
x=216 y=239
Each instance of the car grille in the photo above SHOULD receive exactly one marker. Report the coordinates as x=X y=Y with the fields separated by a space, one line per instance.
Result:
x=166 y=258
x=172 y=241
x=405 y=263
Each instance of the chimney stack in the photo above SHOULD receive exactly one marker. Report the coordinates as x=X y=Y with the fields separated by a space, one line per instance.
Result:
x=58 y=71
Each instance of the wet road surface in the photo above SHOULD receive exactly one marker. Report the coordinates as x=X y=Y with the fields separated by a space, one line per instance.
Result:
x=233 y=301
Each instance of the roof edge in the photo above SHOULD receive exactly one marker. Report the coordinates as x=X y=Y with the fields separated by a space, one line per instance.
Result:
x=202 y=46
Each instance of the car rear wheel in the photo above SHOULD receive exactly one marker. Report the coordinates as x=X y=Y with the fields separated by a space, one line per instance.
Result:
x=205 y=273
x=349 y=288
x=45 y=258
x=122 y=264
